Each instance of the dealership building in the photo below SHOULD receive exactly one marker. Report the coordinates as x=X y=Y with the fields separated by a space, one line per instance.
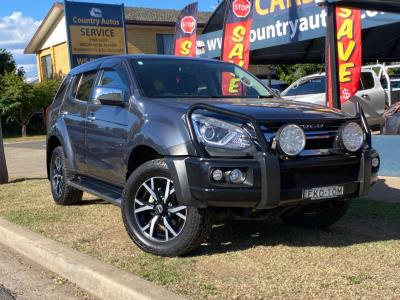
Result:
x=148 y=30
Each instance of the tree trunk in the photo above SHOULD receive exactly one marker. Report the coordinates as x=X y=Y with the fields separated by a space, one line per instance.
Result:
x=3 y=165
x=23 y=131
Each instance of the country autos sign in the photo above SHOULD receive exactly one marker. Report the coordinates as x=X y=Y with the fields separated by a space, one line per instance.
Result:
x=279 y=22
x=94 y=31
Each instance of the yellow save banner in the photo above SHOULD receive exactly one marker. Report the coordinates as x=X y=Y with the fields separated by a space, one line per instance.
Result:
x=94 y=40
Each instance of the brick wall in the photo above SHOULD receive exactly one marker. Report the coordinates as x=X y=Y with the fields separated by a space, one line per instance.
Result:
x=59 y=58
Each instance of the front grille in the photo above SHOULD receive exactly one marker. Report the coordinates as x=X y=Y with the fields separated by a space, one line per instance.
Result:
x=321 y=135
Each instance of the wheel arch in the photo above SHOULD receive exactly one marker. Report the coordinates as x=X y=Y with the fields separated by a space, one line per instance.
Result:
x=52 y=143
x=140 y=155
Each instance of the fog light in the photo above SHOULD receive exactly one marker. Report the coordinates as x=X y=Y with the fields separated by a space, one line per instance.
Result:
x=237 y=176
x=217 y=175
x=375 y=162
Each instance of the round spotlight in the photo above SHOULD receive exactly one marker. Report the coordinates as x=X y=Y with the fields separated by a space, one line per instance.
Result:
x=217 y=175
x=236 y=176
x=291 y=139
x=375 y=162
x=352 y=136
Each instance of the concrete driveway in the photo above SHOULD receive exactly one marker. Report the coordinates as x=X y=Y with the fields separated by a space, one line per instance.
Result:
x=26 y=159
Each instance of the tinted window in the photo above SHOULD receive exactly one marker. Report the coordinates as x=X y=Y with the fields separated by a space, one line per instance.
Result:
x=62 y=89
x=85 y=86
x=310 y=86
x=367 y=81
x=169 y=78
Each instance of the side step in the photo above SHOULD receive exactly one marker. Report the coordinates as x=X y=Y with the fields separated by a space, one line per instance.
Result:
x=99 y=189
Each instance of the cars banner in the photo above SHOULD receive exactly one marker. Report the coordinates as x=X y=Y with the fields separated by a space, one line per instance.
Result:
x=186 y=31
x=94 y=30
x=349 y=54
x=236 y=42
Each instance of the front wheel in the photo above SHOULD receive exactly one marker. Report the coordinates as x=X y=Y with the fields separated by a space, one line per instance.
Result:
x=319 y=215
x=154 y=219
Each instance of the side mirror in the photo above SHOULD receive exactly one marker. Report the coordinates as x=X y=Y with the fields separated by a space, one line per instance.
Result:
x=109 y=96
x=277 y=93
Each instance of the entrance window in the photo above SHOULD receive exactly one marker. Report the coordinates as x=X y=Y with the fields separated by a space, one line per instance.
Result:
x=164 y=43
x=47 y=67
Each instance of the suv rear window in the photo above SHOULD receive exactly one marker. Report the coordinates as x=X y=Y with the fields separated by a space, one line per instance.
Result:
x=367 y=81
x=84 y=84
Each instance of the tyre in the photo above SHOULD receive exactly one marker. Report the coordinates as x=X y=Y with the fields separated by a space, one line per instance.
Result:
x=62 y=193
x=321 y=215
x=154 y=219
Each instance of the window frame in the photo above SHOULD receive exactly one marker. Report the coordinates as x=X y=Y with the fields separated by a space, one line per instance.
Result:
x=45 y=68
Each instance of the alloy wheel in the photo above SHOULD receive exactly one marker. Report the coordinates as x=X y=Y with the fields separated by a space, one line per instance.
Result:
x=58 y=178
x=157 y=212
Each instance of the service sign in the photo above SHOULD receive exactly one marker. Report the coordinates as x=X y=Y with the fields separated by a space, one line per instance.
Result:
x=94 y=31
x=280 y=22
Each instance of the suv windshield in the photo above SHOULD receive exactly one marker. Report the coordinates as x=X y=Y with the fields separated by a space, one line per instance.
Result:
x=181 y=78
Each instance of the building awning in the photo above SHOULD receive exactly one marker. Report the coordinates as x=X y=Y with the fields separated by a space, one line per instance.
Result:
x=296 y=33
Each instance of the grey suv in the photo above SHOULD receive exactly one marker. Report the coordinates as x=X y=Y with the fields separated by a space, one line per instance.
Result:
x=176 y=142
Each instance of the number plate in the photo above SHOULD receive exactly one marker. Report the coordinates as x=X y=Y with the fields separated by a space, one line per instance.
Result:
x=326 y=192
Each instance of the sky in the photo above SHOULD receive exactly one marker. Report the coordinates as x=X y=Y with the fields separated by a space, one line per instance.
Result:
x=19 y=20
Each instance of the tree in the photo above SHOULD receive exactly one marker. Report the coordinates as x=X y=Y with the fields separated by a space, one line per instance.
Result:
x=7 y=62
x=20 y=100
x=290 y=73
x=3 y=165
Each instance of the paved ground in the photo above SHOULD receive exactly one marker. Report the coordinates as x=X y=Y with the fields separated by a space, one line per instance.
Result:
x=26 y=160
x=23 y=279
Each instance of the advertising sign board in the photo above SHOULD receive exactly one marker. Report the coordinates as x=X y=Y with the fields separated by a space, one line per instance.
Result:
x=94 y=30
x=280 y=22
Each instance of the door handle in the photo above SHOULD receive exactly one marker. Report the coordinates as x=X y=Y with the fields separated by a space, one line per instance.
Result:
x=364 y=95
x=91 y=118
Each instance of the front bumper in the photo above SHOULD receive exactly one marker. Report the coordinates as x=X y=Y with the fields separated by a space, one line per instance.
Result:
x=270 y=182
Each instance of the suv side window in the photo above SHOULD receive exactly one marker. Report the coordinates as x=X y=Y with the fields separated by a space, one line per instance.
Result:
x=84 y=85
x=114 y=79
x=367 y=81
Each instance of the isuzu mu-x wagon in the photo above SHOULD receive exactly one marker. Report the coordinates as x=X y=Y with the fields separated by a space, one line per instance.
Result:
x=176 y=141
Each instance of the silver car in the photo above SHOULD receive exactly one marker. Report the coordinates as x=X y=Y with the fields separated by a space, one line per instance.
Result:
x=371 y=96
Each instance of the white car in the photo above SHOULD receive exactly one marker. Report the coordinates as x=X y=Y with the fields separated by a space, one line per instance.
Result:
x=371 y=96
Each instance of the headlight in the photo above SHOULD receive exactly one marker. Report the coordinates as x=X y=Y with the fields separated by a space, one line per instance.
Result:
x=219 y=134
x=352 y=137
x=291 y=139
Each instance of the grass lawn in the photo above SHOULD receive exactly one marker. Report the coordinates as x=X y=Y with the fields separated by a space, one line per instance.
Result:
x=359 y=258
x=24 y=139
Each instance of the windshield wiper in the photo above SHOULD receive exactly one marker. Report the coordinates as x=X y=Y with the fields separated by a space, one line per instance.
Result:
x=265 y=96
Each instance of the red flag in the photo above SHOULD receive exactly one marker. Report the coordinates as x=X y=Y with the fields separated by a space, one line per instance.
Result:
x=236 y=42
x=349 y=54
x=186 y=31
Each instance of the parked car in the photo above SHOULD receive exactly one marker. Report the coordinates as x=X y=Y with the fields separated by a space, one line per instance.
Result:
x=278 y=85
x=160 y=137
x=371 y=96
x=391 y=123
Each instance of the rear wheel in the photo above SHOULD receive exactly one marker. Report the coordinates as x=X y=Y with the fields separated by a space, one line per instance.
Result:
x=62 y=193
x=154 y=219
x=321 y=215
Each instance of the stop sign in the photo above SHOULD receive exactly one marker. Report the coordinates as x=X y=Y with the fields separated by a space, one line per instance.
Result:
x=188 y=24
x=241 y=8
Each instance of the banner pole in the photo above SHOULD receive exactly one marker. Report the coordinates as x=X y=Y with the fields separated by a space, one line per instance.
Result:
x=332 y=57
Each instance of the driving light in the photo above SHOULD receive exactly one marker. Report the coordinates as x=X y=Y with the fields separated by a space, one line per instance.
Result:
x=237 y=176
x=217 y=175
x=220 y=134
x=291 y=139
x=352 y=137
